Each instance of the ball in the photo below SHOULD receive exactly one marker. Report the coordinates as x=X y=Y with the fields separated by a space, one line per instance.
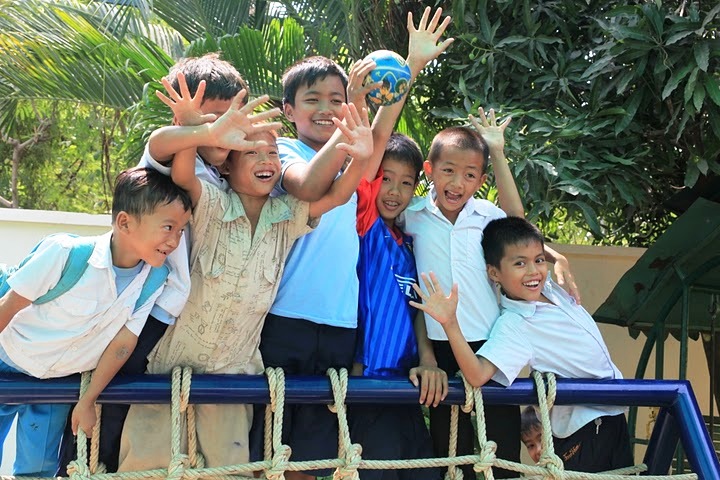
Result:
x=394 y=73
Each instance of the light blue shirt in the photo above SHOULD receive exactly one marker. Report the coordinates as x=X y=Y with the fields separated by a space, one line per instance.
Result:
x=320 y=282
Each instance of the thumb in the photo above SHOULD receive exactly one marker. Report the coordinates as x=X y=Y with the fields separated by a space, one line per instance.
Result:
x=414 y=377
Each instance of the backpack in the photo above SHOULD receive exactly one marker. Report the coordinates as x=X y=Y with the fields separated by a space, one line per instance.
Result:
x=74 y=268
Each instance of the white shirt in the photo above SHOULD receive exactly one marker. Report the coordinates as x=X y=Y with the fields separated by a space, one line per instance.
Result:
x=561 y=338
x=178 y=285
x=455 y=254
x=69 y=334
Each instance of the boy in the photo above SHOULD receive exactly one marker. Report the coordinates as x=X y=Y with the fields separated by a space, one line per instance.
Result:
x=242 y=239
x=531 y=433
x=537 y=317
x=317 y=302
x=201 y=93
x=387 y=344
x=94 y=325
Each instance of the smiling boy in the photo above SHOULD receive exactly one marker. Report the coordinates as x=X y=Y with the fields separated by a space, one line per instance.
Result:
x=538 y=316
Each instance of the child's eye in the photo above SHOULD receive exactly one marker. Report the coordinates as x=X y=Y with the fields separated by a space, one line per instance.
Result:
x=250 y=152
x=408 y=184
x=447 y=170
x=385 y=179
x=540 y=260
x=311 y=100
x=337 y=102
x=519 y=263
x=168 y=227
x=471 y=175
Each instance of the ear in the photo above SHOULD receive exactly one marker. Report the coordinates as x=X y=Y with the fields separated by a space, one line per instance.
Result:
x=483 y=179
x=288 y=110
x=123 y=222
x=493 y=273
x=427 y=167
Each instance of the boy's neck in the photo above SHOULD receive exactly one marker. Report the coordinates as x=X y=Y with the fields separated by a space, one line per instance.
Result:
x=120 y=256
x=253 y=208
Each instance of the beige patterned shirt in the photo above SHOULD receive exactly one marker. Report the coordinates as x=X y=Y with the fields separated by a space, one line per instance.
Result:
x=234 y=280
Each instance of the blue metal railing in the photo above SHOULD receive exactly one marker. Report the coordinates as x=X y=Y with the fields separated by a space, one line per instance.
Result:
x=679 y=419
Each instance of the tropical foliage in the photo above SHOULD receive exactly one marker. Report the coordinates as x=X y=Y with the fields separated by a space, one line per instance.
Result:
x=616 y=105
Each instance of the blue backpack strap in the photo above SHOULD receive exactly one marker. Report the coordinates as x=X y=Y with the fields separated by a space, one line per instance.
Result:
x=74 y=268
x=155 y=279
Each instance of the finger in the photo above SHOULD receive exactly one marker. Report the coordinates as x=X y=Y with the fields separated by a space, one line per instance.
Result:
x=266 y=126
x=410 y=23
x=169 y=89
x=263 y=116
x=163 y=98
x=238 y=100
x=75 y=423
x=88 y=431
x=254 y=103
x=575 y=293
x=419 y=291
x=347 y=148
x=441 y=29
x=444 y=45
x=474 y=122
x=354 y=115
x=493 y=121
x=423 y=389
x=435 y=20
x=249 y=145
x=182 y=83
x=444 y=385
x=200 y=93
x=424 y=19
x=454 y=290
x=365 y=67
x=435 y=283
x=413 y=376
x=365 y=117
x=427 y=283
x=505 y=123
x=208 y=118
x=483 y=117
x=343 y=128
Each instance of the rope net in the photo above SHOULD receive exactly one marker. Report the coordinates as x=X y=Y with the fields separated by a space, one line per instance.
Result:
x=191 y=464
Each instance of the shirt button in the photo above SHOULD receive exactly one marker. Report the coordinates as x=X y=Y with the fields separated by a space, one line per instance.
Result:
x=243 y=274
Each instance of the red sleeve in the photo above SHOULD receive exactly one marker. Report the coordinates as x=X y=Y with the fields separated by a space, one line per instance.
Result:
x=367 y=212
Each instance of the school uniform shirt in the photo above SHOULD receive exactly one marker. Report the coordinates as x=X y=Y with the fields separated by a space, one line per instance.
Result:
x=559 y=337
x=69 y=334
x=320 y=282
x=387 y=344
x=178 y=283
x=454 y=252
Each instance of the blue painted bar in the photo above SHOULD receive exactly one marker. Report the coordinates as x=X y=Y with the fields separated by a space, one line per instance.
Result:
x=676 y=395
x=663 y=442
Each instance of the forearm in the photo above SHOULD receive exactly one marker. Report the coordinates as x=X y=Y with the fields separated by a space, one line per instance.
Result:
x=10 y=304
x=309 y=182
x=508 y=194
x=165 y=142
x=425 y=349
x=183 y=173
x=112 y=359
x=341 y=189
x=477 y=370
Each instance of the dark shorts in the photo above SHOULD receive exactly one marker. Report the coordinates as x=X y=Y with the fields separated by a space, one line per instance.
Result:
x=502 y=421
x=392 y=432
x=603 y=444
x=301 y=347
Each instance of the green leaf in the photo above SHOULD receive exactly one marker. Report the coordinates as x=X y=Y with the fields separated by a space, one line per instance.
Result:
x=691 y=174
x=712 y=87
x=698 y=97
x=675 y=80
x=590 y=217
x=701 y=51
x=678 y=36
x=631 y=108
x=690 y=85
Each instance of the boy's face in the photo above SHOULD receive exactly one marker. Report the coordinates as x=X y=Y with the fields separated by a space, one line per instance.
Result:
x=150 y=237
x=213 y=155
x=533 y=443
x=522 y=271
x=314 y=108
x=254 y=172
x=396 y=190
x=457 y=175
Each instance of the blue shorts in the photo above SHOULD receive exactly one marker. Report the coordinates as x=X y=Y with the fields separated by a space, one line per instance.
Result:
x=392 y=432
x=39 y=430
x=301 y=347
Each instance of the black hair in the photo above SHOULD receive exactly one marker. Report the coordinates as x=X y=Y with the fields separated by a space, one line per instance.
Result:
x=462 y=138
x=502 y=232
x=222 y=80
x=139 y=191
x=529 y=421
x=406 y=150
x=308 y=71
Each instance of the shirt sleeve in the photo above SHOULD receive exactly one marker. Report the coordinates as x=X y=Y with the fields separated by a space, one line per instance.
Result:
x=42 y=271
x=177 y=288
x=507 y=348
x=301 y=223
x=367 y=212
x=149 y=162
x=209 y=207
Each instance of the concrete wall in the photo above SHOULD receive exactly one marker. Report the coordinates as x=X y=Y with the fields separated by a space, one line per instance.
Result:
x=597 y=270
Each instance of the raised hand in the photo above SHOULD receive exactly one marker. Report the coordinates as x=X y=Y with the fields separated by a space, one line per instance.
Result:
x=491 y=131
x=423 y=44
x=356 y=91
x=184 y=106
x=358 y=134
x=442 y=308
x=234 y=126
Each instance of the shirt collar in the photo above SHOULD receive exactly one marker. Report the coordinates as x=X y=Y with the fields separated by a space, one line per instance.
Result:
x=275 y=210
x=102 y=253
x=526 y=309
x=427 y=203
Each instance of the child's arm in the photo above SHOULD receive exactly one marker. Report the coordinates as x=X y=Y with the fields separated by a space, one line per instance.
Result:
x=564 y=276
x=477 y=370
x=10 y=304
x=423 y=48
x=112 y=359
x=184 y=176
x=494 y=136
x=433 y=381
x=229 y=131
x=359 y=146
